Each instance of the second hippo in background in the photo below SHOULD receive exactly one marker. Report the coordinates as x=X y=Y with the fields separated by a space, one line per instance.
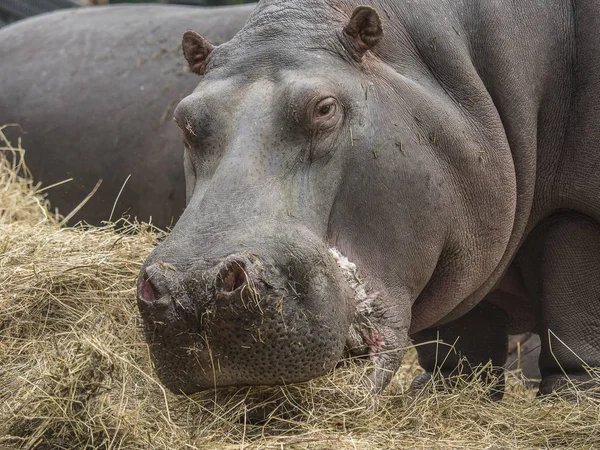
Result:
x=524 y=354
x=93 y=91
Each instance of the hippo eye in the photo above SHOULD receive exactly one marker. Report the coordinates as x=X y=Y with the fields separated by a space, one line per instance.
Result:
x=325 y=109
x=324 y=115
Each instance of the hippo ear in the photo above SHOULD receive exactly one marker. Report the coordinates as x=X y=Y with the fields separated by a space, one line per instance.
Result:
x=363 y=30
x=196 y=49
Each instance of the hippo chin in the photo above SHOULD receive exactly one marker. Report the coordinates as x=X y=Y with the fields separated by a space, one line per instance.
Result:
x=453 y=160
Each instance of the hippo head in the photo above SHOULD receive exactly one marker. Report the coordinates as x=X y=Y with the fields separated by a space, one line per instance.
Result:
x=298 y=139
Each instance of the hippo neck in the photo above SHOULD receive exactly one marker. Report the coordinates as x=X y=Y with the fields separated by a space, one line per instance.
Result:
x=523 y=65
x=530 y=84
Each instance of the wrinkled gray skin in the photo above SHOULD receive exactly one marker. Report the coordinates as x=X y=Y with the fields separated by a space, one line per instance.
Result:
x=454 y=159
x=94 y=90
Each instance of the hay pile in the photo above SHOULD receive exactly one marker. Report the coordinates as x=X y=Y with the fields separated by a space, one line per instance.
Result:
x=75 y=371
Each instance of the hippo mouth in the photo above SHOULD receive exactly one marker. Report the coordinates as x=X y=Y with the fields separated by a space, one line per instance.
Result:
x=244 y=321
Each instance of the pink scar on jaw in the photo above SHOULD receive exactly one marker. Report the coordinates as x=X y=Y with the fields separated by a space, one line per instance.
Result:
x=375 y=342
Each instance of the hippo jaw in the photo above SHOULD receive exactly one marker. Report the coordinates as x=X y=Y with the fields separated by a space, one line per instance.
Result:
x=244 y=321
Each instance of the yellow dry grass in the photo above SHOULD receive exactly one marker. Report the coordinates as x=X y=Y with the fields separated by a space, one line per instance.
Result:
x=75 y=371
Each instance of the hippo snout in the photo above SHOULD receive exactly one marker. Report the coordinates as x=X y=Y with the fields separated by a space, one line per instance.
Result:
x=243 y=320
x=158 y=283
x=155 y=284
x=232 y=276
x=166 y=293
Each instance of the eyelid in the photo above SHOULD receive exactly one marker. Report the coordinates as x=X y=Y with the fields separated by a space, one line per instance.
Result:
x=327 y=101
x=328 y=120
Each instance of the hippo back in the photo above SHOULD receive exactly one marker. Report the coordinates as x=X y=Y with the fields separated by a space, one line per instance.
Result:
x=93 y=92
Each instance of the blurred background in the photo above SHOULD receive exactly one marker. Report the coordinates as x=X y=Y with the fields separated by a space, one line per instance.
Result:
x=13 y=10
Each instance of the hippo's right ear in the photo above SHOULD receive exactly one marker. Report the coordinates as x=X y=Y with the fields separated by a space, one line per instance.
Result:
x=363 y=31
x=196 y=49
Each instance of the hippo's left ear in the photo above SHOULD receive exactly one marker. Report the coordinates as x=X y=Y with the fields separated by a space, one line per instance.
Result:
x=363 y=30
x=196 y=49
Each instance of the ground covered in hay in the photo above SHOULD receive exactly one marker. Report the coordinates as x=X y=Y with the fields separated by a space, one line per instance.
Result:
x=75 y=371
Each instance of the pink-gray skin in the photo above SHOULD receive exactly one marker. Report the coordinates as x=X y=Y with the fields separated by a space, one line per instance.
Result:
x=445 y=158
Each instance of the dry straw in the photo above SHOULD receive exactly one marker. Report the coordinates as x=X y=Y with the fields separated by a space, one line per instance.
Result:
x=75 y=371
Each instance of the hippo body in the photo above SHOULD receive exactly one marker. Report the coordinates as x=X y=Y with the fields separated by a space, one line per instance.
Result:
x=94 y=100
x=523 y=355
x=448 y=149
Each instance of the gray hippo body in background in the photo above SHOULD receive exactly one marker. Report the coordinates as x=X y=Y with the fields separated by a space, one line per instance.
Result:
x=93 y=91
x=452 y=157
x=523 y=354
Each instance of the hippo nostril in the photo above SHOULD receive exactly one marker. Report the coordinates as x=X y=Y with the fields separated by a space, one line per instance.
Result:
x=234 y=276
x=146 y=289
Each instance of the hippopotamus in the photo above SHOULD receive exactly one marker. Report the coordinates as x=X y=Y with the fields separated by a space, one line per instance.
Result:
x=523 y=355
x=445 y=152
x=93 y=91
